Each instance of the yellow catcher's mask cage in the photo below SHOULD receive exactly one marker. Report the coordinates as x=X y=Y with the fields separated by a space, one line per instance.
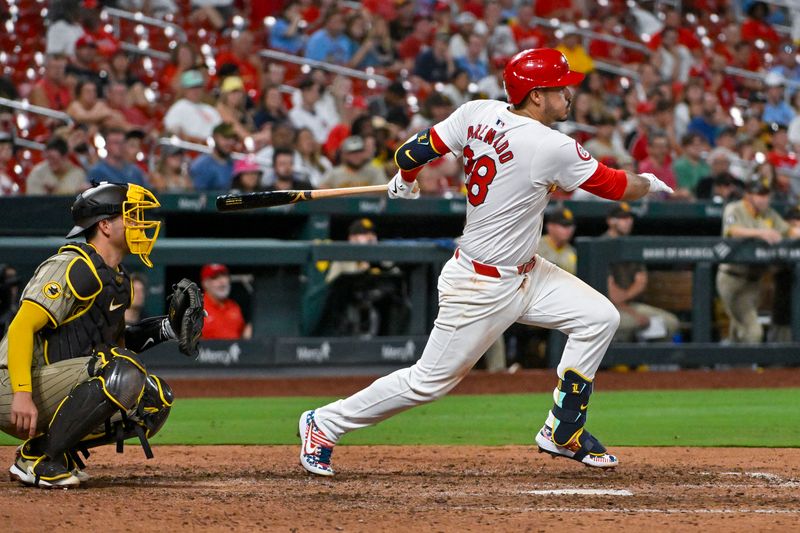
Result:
x=140 y=234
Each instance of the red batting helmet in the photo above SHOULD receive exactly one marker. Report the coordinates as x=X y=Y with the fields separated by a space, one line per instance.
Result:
x=534 y=68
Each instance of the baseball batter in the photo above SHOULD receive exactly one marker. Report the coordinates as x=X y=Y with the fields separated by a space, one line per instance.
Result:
x=513 y=161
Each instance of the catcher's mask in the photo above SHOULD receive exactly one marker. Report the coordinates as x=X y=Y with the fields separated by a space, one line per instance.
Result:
x=108 y=200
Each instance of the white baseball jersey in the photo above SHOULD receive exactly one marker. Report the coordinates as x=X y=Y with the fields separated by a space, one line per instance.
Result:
x=511 y=164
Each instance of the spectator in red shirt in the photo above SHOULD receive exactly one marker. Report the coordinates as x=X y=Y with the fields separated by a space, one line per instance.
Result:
x=561 y=9
x=746 y=56
x=605 y=50
x=659 y=161
x=525 y=31
x=184 y=57
x=781 y=156
x=224 y=319
x=52 y=90
x=686 y=34
x=107 y=44
x=755 y=26
x=118 y=99
x=243 y=55
x=410 y=47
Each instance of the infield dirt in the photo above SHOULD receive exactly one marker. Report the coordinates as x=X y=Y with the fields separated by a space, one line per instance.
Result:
x=424 y=488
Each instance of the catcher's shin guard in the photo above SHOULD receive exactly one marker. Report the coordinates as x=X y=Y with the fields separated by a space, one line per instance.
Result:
x=569 y=410
x=150 y=415
x=117 y=385
x=155 y=406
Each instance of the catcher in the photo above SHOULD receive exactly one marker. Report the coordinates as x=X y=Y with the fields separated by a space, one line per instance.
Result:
x=70 y=377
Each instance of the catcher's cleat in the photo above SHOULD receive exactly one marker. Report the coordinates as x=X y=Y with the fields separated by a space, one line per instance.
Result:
x=585 y=449
x=77 y=469
x=315 y=447
x=42 y=472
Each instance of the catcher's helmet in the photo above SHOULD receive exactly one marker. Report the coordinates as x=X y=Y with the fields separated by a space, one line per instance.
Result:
x=534 y=68
x=109 y=200
x=98 y=203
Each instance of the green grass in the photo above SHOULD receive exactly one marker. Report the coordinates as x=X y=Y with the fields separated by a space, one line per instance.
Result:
x=736 y=417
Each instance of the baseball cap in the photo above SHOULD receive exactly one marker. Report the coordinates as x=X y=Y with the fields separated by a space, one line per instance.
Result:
x=361 y=226
x=759 y=185
x=213 y=270
x=245 y=165
x=354 y=143
x=621 y=210
x=85 y=40
x=232 y=83
x=225 y=129
x=191 y=79
x=562 y=216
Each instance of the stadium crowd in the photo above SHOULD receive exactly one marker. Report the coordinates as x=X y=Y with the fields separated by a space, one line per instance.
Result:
x=705 y=97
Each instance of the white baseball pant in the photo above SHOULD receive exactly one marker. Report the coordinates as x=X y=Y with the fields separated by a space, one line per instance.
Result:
x=474 y=310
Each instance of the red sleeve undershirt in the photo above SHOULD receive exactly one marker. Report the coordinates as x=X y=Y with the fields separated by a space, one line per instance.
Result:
x=438 y=146
x=608 y=183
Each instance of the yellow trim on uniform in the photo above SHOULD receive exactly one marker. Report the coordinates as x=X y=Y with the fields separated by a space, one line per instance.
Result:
x=51 y=478
x=161 y=391
x=79 y=313
x=88 y=261
x=57 y=409
x=131 y=359
x=48 y=313
x=433 y=144
x=579 y=373
x=395 y=156
x=78 y=249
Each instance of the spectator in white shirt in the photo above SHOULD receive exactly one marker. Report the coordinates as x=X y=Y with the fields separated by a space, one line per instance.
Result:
x=56 y=174
x=190 y=118
x=64 y=28
x=306 y=116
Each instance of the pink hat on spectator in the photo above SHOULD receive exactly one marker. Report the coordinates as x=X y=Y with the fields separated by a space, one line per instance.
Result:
x=245 y=165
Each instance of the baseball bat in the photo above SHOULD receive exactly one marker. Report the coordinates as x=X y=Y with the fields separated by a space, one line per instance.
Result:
x=254 y=200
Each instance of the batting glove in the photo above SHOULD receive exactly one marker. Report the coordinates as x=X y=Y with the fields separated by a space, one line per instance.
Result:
x=400 y=188
x=656 y=185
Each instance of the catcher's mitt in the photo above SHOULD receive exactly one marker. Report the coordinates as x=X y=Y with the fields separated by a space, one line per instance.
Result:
x=186 y=315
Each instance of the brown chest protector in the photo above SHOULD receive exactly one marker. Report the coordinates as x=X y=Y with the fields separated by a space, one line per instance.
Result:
x=96 y=322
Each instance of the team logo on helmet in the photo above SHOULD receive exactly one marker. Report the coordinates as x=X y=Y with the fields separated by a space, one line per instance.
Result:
x=52 y=290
